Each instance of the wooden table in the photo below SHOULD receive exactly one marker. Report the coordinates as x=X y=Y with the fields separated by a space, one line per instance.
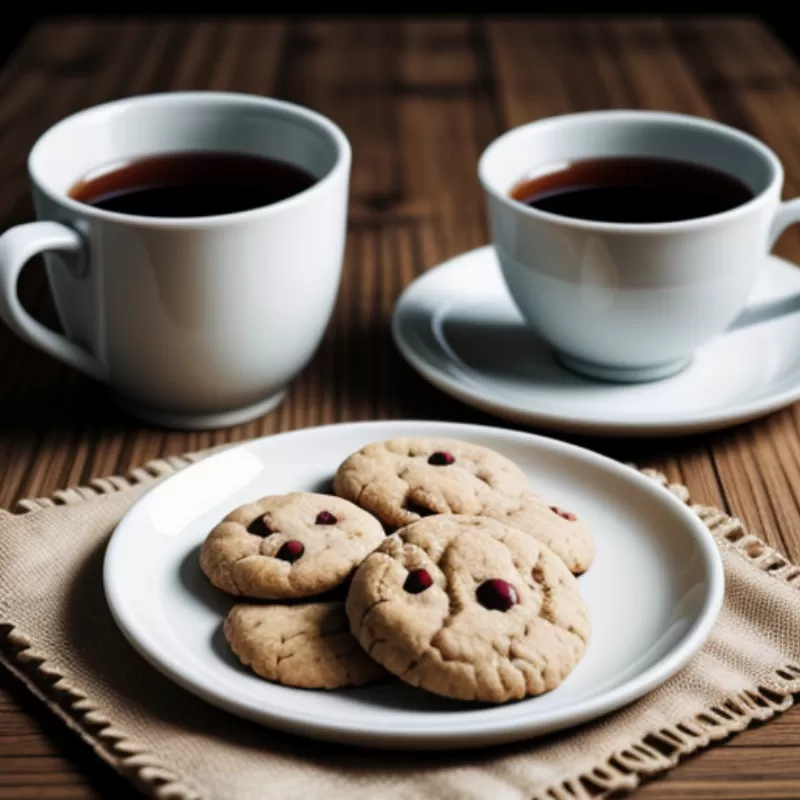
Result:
x=419 y=100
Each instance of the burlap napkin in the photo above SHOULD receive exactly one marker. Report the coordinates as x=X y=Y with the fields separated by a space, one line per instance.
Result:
x=60 y=639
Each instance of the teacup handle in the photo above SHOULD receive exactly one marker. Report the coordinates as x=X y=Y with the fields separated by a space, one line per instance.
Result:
x=17 y=246
x=787 y=214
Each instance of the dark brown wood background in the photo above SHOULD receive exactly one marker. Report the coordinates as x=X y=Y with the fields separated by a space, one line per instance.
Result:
x=419 y=100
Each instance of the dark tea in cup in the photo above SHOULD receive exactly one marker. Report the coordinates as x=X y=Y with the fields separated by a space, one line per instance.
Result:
x=632 y=190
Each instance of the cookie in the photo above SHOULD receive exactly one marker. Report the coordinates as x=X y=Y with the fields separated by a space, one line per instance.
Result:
x=566 y=534
x=289 y=546
x=309 y=646
x=402 y=480
x=469 y=608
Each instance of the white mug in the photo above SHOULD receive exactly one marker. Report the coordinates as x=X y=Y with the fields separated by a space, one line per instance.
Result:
x=628 y=301
x=194 y=322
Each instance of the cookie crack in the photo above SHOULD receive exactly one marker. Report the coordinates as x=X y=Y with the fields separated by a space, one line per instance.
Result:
x=447 y=660
x=417 y=508
x=506 y=651
x=233 y=576
x=364 y=487
x=537 y=571
x=546 y=612
x=282 y=657
x=372 y=608
x=375 y=644
x=501 y=657
x=483 y=479
x=287 y=639
x=508 y=512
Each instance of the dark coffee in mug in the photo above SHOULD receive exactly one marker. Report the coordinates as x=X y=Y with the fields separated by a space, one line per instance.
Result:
x=632 y=190
x=201 y=184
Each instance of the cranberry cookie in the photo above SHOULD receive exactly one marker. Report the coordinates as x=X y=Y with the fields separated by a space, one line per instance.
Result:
x=561 y=530
x=309 y=646
x=469 y=608
x=402 y=480
x=289 y=546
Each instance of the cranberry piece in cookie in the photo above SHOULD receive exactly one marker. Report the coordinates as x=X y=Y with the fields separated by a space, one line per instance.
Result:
x=286 y=547
x=441 y=458
x=418 y=581
x=497 y=594
x=291 y=551
x=567 y=515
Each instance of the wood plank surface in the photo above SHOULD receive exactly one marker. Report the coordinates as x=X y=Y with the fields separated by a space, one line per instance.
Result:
x=419 y=100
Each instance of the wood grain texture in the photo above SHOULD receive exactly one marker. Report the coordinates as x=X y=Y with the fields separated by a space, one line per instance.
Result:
x=419 y=100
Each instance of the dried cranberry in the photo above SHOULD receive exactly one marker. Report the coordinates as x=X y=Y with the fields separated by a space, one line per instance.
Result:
x=497 y=595
x=418 y=581
x=291 y=551
x=325 y=518
x=568 y=515
x=441 y=458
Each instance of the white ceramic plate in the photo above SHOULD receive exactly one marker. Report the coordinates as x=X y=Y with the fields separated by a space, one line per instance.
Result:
x=654 y=590
x=458 y=327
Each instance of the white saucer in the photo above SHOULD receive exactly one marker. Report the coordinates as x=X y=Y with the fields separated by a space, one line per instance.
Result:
x=653 y=592
x=458 y=327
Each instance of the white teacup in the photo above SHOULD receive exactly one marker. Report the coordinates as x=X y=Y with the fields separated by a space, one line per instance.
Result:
x=625 y=301
x=194 y=322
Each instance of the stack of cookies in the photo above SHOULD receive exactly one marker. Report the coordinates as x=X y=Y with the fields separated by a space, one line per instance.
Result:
x=472 y=594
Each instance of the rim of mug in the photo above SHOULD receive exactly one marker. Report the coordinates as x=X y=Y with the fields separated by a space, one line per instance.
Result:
x=752 y=142
x=337 y=135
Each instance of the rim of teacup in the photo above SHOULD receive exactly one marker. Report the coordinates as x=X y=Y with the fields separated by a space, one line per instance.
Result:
x=500 y=193
x=313 y=118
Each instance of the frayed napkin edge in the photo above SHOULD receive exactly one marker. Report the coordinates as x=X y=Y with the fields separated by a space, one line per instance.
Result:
x=622 y=771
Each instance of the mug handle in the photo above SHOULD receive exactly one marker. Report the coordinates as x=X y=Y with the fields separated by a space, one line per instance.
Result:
x=17 y=246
